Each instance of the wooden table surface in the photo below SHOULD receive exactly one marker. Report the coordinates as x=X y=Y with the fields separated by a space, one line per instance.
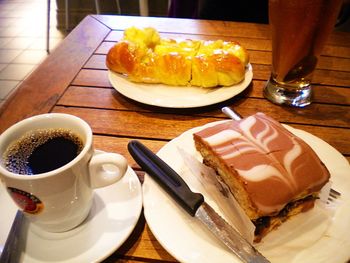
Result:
x=73 y=79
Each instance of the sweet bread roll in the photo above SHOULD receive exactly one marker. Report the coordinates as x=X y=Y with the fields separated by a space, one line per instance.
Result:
x=144 y=57
x=218 y=63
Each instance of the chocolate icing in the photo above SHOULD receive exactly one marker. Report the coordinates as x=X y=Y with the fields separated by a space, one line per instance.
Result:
x=276 y=166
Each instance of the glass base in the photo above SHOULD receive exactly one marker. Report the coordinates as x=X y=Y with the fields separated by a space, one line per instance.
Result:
x=287 y=95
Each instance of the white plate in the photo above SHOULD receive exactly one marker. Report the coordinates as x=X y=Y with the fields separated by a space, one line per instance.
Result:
x=177 y=96
x=115 y=212
x=308 y=237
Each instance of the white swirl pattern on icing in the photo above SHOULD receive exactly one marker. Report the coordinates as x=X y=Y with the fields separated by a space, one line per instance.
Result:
x=323 y=175
x=244 y=142
x=223 y=136
x=249 y=143
x=262 y=140
x=262 y=151
x=289 y=158
x=259 y=172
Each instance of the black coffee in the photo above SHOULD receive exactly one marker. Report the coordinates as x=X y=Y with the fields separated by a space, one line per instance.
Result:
x=42 y=151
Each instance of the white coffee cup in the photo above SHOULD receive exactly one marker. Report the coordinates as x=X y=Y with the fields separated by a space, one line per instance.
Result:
x=60 y=199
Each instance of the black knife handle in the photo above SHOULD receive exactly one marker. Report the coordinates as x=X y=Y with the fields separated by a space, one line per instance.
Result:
x=171 y=182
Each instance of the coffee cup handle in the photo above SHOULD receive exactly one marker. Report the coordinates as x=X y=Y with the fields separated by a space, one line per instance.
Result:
x=106 y=169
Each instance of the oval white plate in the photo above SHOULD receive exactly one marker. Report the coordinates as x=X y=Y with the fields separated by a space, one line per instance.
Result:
x=315 y=239
x=114 y=214
x=177 y=96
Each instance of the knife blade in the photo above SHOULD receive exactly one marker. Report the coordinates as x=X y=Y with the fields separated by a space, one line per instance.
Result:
x=12 y=250
x=193 y=203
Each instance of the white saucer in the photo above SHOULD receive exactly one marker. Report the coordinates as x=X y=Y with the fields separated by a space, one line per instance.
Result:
x=114 y=214
x=177 y=96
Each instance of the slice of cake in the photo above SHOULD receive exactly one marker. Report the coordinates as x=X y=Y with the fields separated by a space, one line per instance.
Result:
x=272 y=173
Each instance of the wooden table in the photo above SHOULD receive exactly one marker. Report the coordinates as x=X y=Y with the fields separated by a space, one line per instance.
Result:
x=73 y=79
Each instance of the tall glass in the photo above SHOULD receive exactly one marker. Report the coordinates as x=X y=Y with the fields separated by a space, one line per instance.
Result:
x=299 y=29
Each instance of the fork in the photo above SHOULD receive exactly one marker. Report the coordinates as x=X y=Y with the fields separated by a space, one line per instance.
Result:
x=333 y=194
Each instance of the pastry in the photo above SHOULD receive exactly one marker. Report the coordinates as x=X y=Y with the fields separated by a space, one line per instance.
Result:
x=272 y=173
x=145 y=57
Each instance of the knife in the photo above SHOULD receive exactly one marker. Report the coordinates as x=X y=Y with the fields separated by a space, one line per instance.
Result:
x=193 y=203
x=231 y=113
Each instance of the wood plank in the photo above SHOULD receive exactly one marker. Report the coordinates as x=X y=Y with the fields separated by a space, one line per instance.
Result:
x=93 y=78
x=248 y=42
x=141 y=125
x=320 y=76
x=115 y=35
x=78 y=96
x=96 y=62
x=149 y=247
x=160 y=126
x=339 y=38
x=336 y=51
x=119 y=145
x=338 y=138
x=141 y=246
x=110 y=99
x=325 y=62
x=104 y=47
x=315 y=114
x=52 y=77
x=328 y=77
x=188 y=26
x=322 y=93
x=206 y=27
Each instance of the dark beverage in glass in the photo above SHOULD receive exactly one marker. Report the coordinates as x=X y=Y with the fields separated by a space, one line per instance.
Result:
x=300 y=29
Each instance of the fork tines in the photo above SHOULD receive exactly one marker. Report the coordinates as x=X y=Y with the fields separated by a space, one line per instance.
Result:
x=333 y=195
